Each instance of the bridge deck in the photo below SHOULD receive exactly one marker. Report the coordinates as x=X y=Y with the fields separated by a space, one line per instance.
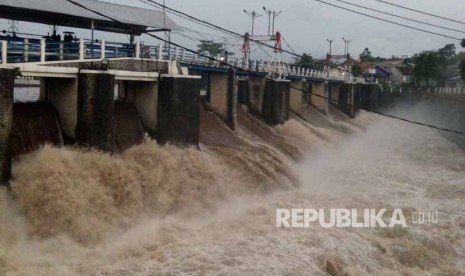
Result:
x=19 y=52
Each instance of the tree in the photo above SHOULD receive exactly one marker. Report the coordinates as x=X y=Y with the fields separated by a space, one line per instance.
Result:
x=305 y=61
x=427 y=68
x=447 y=54
x=462 y=43
x=366 y=55
x=356 y=70
x=213 y=48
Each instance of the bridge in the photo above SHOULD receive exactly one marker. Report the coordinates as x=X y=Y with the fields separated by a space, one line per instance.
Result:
x=40 y=53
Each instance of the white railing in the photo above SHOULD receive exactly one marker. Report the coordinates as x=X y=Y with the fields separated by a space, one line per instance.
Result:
x=446 y=90
x=35 y=50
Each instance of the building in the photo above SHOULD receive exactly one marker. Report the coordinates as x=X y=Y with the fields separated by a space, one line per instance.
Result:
x=376 y=72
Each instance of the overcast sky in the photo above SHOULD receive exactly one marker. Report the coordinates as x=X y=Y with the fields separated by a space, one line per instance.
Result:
x=306 y=24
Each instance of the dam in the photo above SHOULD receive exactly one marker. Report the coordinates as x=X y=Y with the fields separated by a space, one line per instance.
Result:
x=138 y=159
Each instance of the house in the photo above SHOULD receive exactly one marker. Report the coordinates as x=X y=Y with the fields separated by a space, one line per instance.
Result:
x=401 y=71
x=454 y=77
x=455 y=82
x=376 y=72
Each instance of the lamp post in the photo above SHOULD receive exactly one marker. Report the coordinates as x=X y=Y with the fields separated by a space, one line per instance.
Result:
x=346 y=43
x=253 y=15
x=269 y=12
x=330 y=41
x=275 y=14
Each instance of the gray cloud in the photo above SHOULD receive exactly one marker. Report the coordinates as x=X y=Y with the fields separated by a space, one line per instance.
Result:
x=306 y=24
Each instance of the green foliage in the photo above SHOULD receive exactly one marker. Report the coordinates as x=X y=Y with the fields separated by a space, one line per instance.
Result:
x=431 y=66
x=213 y=48
x=356 y=70
x=427 y=68
x=305 y=61
x=366 y=55
x=447 y=54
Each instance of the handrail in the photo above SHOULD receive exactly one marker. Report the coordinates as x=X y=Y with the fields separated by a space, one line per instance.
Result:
x=35 y=50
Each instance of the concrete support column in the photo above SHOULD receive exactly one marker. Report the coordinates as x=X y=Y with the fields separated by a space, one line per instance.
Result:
x=319 y=95
x=297 y=95
x=62 y=94
x=256 y=93
x=7 y=78
x=369 y=97
x=231 y=118
x=334 y=93
x=179 y=110
x=344 y=103
x=351 y=101
x=357 y=97
x=276 y=103
x=327 y=97
x=223 y=96
x=95 y=114
x=243 y=91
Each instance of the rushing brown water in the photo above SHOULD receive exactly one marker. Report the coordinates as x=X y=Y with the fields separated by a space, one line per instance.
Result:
x=168 y=211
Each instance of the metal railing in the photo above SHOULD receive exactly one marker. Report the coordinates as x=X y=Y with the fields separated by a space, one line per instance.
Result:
x=41 y=50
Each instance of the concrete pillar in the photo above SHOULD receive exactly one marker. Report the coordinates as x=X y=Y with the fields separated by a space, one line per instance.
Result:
x=343 y=102
x=218 y=86
x=95 y=114
x=334 y=93
x=179 y=110
x=62 y=94
x=223 y=96
x=243 y=91
x=320 y=92
x=276 y=103
x=356 y=95
x=7 y=78
x=369 y=97
x=232 y=100
x=351 y=101
x=144 y=96
x=297 y=94
x=256 y=93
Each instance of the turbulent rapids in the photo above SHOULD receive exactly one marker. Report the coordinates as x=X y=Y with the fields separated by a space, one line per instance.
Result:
x=162 y=210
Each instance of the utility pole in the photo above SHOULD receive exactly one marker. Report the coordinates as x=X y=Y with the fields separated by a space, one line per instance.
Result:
x=272 y=14
x=346 y=43
x=275 y=14
x=269 y=12
x=253 y=15
x=330 y=41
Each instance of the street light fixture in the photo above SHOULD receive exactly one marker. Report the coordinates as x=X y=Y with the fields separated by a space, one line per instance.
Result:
x=346 y=43
x=330 y=41
x=253 y=15
x=269 y=12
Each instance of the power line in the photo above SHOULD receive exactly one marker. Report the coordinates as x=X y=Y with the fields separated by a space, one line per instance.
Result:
x=389 y=21
x=264 y=51
x=422 y=12
x=289 y=46
x=402 y=17
x=232 y=66
x=418 y=123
